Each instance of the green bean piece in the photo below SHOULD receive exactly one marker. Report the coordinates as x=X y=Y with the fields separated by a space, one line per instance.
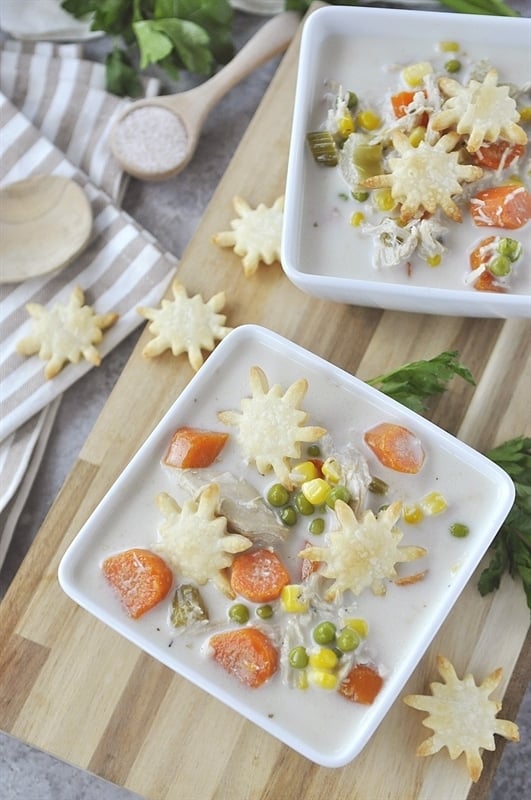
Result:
x=317 y=526
x=378 y=486
x=239 y=613
x=264 y=612
x=323 y=148
x=288 y=515
x=324 y=632
x=298 y=657
x=277 y=495
x=187 y=606
x=459 y=530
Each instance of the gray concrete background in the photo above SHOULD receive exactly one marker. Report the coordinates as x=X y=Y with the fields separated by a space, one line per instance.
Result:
x=171 y=211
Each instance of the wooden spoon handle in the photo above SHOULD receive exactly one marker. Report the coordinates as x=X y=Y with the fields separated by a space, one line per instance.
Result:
x=271 y=39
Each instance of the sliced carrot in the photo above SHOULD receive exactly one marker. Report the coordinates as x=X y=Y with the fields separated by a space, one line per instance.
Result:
x=361 y=684
x=191 y=448
x=396 y=447
x=246 y=653
x=140 y=578
x=258 y=575
x=479 y=256
x=496 y=154
x=507 y=206
x=400 y=102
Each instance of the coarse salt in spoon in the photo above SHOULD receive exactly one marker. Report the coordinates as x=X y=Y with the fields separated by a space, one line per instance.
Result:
x=155 y=138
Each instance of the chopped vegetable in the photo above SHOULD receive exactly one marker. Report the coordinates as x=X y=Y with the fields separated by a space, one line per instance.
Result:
x=192 y=448
x=140 y=578
x=507 y=206
x=187 y=606
x=258 y=575
x=247 y=654
x=292 y=599
x=361 y=684
x=500 y=154
x=322 y=147
x=491 y=261
x=396 y=447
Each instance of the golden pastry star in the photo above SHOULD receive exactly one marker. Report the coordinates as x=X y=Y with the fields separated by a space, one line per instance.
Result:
x=185 y=325
x=462 y=716
x=65 y=333
x=256 y=235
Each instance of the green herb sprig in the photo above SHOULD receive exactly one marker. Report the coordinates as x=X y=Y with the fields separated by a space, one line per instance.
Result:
x=511 y=549
x=194 y=35
x=413 y=385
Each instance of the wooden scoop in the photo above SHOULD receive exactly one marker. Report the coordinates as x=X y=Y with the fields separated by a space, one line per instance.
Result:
x=155 y=138
x=45 y=222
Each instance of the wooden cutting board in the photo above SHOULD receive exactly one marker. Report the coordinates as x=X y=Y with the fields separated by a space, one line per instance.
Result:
x=76 y=689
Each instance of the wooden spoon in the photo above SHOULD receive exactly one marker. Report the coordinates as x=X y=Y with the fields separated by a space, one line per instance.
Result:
x=155 y=138
x=45 y=222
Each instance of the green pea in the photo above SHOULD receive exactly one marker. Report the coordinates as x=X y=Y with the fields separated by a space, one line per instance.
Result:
x=324 y=632
x=510 y=248
x=298 y=657
x=337 y=493
x=314 y=451
x=500 y=266
x=453 y=65
x=264 y=612
x=277 y=495
x=459 y=530
x=360 y=196
x=288 y=515
x=348 y=639
x=317 y=526
x=303 y=505
x=239 y=613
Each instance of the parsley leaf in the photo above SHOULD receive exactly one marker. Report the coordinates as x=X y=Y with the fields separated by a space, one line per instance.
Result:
x=511 y=549
x=414 y=383
x=192 y=34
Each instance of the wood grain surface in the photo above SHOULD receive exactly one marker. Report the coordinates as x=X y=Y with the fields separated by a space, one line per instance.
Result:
x=76 y=689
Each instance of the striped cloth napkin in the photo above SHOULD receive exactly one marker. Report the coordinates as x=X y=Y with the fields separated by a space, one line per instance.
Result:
x=55 y=116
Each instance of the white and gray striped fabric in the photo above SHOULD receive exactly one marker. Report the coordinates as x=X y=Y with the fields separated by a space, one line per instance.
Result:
x=54 y=119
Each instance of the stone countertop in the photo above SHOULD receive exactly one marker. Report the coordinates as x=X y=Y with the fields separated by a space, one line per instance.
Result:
x=171 y=211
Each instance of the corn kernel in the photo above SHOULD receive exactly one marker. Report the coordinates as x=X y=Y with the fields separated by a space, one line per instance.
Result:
x=433 y=503
x=412 y=514
x=434 y=261
x=525 y=114
x=357 y=218
x=359 y=625
x=305 y=471
x=448 y=47
x=323 y=658
x=322 y=678
x=291 y=599
x=417 y=135
x=345 y=126
x=369 y=120
x=383 y=199
x=316 y=491
x=331 y=470
x=413 y=75
x=302 y=679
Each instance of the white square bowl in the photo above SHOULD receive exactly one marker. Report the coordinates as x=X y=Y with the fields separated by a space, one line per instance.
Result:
x=363 y=49
x=401 y=624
